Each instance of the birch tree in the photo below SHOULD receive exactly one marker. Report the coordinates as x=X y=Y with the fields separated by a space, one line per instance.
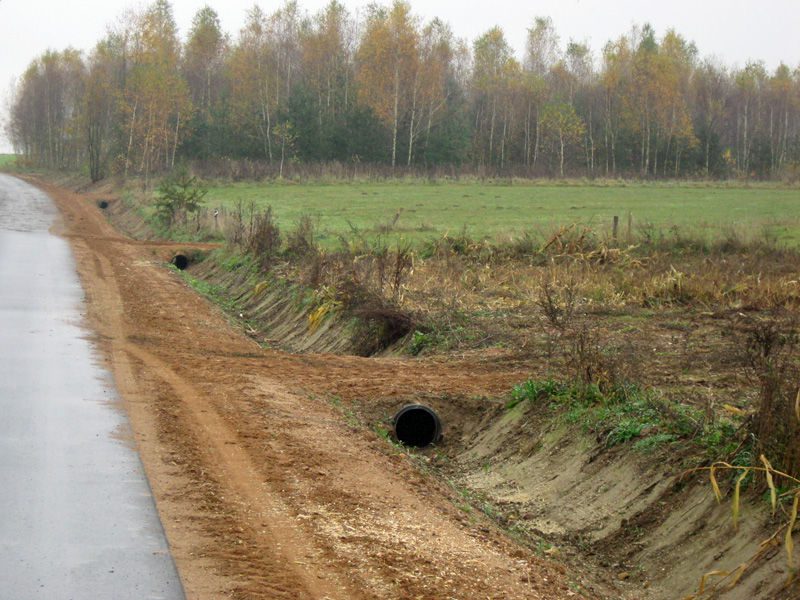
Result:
x=252 y=77
x=203 y=70
x=156 y=103
x=388 y=67
x=493 y=66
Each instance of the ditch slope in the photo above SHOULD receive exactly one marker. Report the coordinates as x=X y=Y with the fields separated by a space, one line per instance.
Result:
x=264 y=491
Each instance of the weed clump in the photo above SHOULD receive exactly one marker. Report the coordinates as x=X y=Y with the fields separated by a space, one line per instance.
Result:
x=302 y=240
x=264 y=238
x=624 y=414
x=769 y=350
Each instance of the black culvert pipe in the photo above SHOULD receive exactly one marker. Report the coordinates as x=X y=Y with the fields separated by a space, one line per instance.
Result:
x=180 y=261
x=417 y=425
x=103 y=204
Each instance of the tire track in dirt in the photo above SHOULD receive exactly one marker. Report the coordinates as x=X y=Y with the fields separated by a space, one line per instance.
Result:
x=267 y=517
x=272 y=523
x=263 y=491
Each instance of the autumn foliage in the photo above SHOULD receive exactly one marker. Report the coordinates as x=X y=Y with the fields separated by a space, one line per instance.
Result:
x=390 y=89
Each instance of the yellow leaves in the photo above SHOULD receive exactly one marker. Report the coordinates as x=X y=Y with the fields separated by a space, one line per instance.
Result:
x=736 y=495
x=733 y=576
x=317 y=316
x=259 y=288
x=737 y=488
x=705 y=588
x=326 y=304
x=797 y=405
x=388 y=59
x=701 y=589
x=559 y=121
x=714 y=484
x=159 y=36
x=773 y=493
x=788 y=541
x=737 y=575
x=734 y=410
x=155 y=100
x=728 y=158
x=492 y=62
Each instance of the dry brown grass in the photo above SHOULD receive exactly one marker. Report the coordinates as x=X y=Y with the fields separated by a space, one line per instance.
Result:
x=711 y=282
x=539 y=295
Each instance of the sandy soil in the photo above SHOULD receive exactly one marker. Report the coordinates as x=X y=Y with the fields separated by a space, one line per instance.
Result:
x=263 y=488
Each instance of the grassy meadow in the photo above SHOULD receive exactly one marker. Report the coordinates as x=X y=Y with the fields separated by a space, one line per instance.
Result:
x=420 y=211
x=7 y=160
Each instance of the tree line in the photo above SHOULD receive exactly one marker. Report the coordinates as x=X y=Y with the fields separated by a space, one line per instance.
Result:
x=390 y=89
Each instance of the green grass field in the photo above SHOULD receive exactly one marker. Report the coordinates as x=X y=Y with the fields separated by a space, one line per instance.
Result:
x=495 y=211
x=7 y=160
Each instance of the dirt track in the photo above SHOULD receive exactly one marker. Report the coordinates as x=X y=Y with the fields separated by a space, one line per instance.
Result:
x=265 y=491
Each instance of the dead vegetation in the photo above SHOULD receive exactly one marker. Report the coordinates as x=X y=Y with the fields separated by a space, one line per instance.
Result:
x=362 y=278
x=456 y=293
x=767 y=346
x=770 y=354
x=682 y=349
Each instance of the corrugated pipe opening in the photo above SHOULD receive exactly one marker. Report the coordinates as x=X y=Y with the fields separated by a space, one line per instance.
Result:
x=417 y=425
x=180 y=261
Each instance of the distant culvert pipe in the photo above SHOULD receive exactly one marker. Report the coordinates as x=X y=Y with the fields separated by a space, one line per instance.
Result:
x=417 y=425
x=103 y=204
x=180 y=261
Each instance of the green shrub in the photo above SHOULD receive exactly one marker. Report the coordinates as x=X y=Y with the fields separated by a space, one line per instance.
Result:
x=627 y=412
x=177 y=196
x=420 y=341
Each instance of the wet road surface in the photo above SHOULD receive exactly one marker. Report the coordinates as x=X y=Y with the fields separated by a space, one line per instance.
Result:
x=77 y=520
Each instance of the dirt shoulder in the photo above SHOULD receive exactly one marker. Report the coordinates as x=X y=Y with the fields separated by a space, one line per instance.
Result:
x=264 y=491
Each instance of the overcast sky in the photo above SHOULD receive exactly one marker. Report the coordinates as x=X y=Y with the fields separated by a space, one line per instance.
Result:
x=734 y=31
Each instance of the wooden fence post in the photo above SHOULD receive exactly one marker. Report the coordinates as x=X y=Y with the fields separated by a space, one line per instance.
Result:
x=630 y=227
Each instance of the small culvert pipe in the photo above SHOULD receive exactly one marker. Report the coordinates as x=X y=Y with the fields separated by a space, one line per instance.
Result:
x=181 y=261
x=417 y=425
x=103 y=204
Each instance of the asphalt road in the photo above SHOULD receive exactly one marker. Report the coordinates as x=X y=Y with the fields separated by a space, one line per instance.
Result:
x=77 y=519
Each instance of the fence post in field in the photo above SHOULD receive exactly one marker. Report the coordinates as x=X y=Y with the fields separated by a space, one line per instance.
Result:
x=630 y=227
x=615 y=229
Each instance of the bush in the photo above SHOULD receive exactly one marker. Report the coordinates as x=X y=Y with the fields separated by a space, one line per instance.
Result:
x=264 y=238
x=177 y=196
x=301 y=241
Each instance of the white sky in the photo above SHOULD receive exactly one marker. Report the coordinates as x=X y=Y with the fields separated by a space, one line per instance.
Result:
x=734 y=31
